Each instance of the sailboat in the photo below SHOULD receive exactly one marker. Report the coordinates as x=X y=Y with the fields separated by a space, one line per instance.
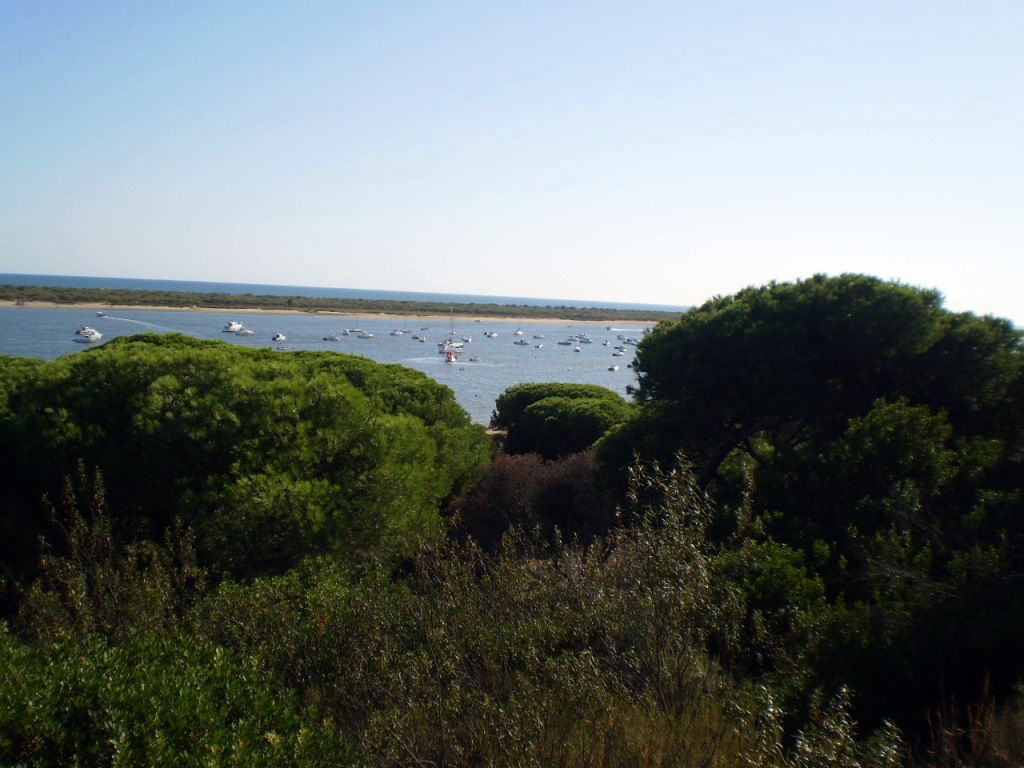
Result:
x=450 y=347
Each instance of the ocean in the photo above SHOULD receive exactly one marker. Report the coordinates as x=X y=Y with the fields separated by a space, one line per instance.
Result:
x=488 y=364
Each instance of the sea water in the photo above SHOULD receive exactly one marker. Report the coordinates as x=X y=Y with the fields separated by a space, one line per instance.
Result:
x=50 y=332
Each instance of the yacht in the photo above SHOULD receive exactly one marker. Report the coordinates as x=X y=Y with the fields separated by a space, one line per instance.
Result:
x=87 y=335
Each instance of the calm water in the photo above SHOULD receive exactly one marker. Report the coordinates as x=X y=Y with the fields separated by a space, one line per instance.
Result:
x=50 y=333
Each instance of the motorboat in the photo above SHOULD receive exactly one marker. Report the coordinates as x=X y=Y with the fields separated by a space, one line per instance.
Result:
x=232 y=326
x=101 y=313
x=474 y=359
x=398 y=332
x=613 y=367
x=538 y=335
x=87 y=335
x=539 y=346
x=364 y=335
x=577 y=349
x=491 y=334
x=278 y=337
x=244 y=332
x=518 y=332
x=332 y=337
x=521 y=343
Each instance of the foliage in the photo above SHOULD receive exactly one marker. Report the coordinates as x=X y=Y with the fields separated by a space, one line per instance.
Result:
x=567 y=657
x=858 y=439
x=551 y=498
x=555 y=419
x=156 y=701
x=268 y=457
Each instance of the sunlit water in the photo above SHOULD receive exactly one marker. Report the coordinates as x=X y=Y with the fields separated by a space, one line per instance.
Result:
x=50 y=333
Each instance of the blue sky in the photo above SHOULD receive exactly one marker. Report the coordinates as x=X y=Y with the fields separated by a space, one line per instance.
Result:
x=634 y=151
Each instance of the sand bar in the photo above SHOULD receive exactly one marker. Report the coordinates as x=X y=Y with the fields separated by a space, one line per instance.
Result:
x=98 y=306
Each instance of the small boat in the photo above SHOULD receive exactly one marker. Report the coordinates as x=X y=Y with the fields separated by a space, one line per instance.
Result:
x=87 y=335
x=538 y=335
x=277 y=336
x=232 y=326
x=491 y=334
x=577 y=349
x=618 y=353
x=518 y=332
x=244 y=332
x=332 y=337
x=398 y=332
x=538 y=346
x=521 y=343
x=449 y=347
x=101 y=313
x=365 y=335
x=613 y=367
x=467 y=339
x=474 y=359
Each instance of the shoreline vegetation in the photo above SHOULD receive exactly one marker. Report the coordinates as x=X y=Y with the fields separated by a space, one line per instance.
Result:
x=104 y=298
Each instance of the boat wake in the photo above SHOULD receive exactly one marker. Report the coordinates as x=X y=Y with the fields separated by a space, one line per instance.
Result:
x=138 y=322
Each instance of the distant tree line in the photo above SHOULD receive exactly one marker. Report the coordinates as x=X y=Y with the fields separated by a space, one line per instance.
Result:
x=124 y=297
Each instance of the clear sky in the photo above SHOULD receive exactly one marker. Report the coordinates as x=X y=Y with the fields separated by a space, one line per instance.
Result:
x=658 y=152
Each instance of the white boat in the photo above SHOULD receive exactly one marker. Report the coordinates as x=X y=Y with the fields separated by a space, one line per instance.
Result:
x=577 y=349
x=87 y=335
x=538 y=346
x=232 y=326
x=449 y=347
x=332 y=337
x=278 y=337
x=518 y=332
x=101 y=313
x=467 y=339
x=538 y=335
x=613 y=367
x=397 y=332
x=365 y=335
x=244 y=332
x=491 y=334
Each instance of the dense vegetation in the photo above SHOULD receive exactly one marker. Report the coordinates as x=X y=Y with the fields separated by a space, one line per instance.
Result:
x=124 y=297
x=800 y=546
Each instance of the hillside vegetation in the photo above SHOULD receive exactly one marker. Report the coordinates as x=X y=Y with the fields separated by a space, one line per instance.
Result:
x=801 y=545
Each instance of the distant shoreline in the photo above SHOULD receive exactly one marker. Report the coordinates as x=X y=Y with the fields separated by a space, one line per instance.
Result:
x=103 y=307
x=32 y=296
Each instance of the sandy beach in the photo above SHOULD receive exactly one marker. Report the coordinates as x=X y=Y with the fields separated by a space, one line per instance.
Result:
x=98 y=307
